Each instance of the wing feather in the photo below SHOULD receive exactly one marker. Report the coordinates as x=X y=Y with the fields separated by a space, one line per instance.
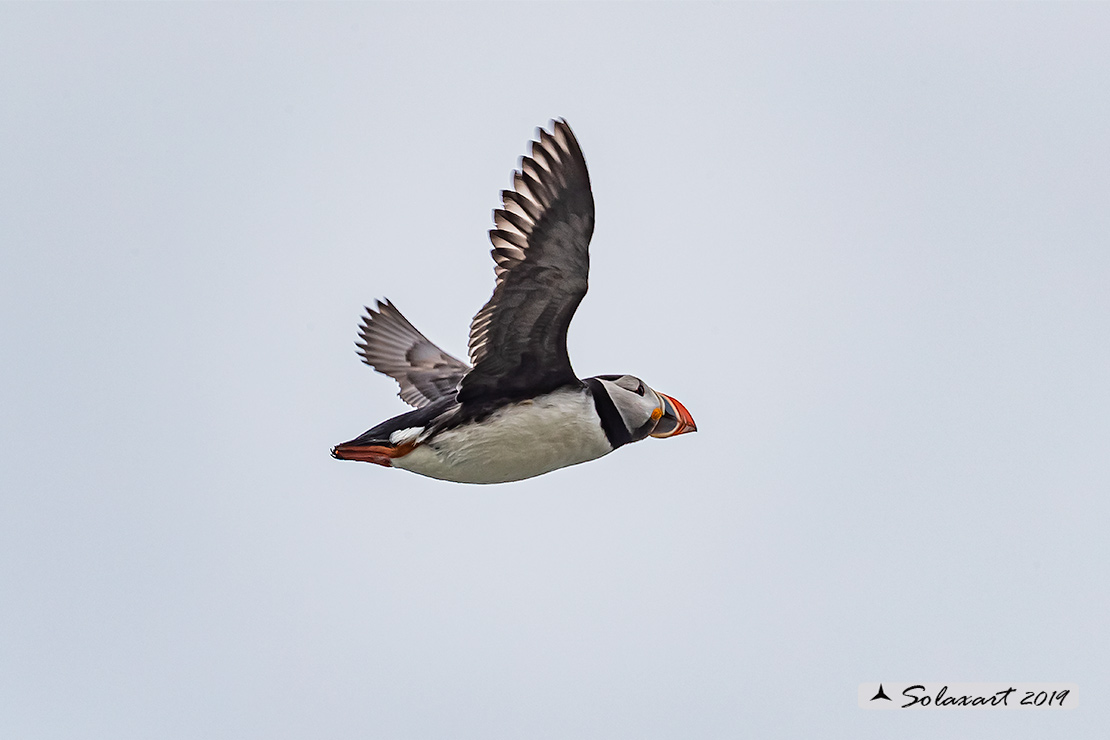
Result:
x=518 y=341
x=393 y=347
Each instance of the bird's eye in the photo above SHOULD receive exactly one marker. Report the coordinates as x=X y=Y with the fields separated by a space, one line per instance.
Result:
x=640 y=389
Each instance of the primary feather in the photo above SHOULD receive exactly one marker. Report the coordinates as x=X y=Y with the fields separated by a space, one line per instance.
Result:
x=394 y=347
x=518 y=341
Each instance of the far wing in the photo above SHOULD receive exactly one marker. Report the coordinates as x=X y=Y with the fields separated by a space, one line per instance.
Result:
x=393 y=346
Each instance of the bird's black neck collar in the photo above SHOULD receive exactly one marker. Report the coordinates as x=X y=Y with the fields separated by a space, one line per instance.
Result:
x=611 y=421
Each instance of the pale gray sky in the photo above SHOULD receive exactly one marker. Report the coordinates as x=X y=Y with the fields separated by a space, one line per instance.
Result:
x=866 y=245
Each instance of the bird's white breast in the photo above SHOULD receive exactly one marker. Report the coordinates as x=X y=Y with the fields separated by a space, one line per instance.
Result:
x=519 y=441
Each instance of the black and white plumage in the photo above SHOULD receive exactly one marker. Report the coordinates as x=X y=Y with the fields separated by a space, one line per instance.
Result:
x=518 y=341
x=520 y=411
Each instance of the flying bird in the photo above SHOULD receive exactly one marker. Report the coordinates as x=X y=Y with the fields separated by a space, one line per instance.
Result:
x=518 y=410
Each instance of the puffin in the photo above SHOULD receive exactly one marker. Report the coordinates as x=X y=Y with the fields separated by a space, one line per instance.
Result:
x=517 y=410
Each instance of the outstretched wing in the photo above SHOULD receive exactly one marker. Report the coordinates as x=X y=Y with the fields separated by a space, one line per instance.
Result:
x=518 y=341
x=393 y=346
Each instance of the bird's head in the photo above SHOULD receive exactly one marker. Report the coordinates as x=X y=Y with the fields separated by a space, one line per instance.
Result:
x=645 y=411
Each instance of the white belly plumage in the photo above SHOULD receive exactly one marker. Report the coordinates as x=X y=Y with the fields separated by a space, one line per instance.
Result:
x=520 y=441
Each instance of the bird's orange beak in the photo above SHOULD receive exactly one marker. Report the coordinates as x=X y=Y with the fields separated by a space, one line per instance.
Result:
x=675 y=420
